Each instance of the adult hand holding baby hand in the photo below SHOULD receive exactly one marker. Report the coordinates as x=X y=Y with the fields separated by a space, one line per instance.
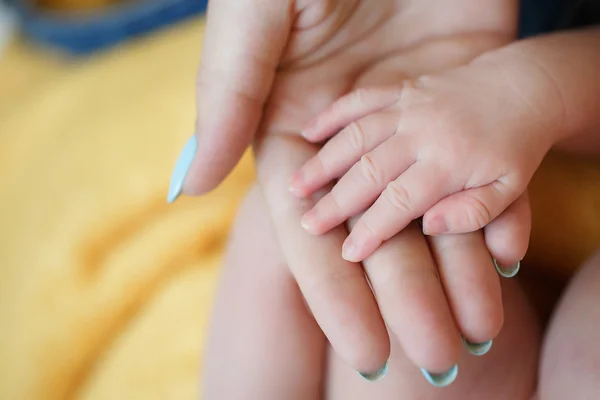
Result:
x=457 y=148
x=268 y=67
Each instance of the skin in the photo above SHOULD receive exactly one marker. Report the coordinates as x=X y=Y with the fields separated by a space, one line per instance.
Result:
x=301 y=56
x=264 y=343
x=261 y=367
x=458 y=147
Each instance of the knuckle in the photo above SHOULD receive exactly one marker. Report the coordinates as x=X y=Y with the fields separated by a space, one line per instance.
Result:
x=356 y=137
x=370 y=171
x=398 y=197
x=352 y=99
x=413 y=91
x=516 y=184
x=367 y=229
x=423 y=81
x=359 y=95
x=335 y=203
x=321 y=165
x=315 y=286
x=478 y=213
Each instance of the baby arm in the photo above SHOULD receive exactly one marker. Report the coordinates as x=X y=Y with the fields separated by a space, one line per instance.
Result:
x=456 y=148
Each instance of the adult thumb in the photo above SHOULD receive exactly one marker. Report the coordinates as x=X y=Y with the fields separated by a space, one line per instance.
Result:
x=243 y=45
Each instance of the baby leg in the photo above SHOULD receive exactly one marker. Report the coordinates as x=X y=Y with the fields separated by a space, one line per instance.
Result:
x=263 y=343
x=570 y=363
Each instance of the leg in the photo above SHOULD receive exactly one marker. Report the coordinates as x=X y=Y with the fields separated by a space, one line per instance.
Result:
x=570 y=366
x=263 y=342
x=507 y=372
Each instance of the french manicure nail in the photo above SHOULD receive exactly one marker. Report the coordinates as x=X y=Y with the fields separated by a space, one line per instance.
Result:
x=441 y=380
x=508 y=272
x=477 y=349
x=181 y=168
x=375 y=376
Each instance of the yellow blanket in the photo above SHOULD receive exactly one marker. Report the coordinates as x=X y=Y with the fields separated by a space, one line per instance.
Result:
x=104 y=288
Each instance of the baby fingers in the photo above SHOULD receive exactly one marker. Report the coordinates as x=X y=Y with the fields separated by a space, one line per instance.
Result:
x=348 y=108
x=471 y=209
x=342 y=151
x=402 y=201
x=359 y=187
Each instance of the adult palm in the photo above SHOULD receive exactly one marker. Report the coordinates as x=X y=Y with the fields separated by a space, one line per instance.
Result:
x=268 y=67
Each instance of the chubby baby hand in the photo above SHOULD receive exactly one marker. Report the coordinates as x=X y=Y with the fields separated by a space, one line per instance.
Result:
x=456 y=148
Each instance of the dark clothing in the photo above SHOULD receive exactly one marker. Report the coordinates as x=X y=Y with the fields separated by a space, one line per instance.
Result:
x=541 y=16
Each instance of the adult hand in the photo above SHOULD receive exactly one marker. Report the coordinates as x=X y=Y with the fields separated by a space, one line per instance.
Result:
x=268 y=67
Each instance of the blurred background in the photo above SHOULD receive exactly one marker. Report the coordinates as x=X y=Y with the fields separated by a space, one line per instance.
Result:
x=105 y=290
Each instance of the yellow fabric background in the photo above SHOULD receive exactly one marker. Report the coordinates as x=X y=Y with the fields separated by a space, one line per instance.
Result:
x=104 y=288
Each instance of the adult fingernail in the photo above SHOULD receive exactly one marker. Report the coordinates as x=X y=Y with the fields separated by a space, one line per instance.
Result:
x=181 y=168
x=443 y=379
x=375 y=376
x=477 y=349
x=507 y=272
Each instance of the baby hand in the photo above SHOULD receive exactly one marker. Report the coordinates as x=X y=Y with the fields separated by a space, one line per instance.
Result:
x=457 y=149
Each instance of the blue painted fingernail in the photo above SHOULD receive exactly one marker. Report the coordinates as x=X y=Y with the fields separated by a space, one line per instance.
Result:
x=443 y=379
x=508 y=272
x=375 y=376
x=181 y=168
x=477 y=349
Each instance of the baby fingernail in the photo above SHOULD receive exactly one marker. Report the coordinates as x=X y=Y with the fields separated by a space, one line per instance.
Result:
x=477 y=349
x=507 y=272
x=181 y=168
x=307 y=131
x=295 y=183
x=434 y=226
x=443 y=379
x=349 y=250
x=308 y=221
x=375 y=376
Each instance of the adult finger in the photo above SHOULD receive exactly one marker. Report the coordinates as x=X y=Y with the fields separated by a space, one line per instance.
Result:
x=258 y=296
x=412 y=301
x=507 y=237
x=336 y=290
x=472 y=287
x=243 y=45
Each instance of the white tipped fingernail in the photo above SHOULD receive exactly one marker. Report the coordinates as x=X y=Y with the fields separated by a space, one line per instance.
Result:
x=441 y=380
x=375 y=376
x=182 y=165
x=507 y=272
x=477 y=349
